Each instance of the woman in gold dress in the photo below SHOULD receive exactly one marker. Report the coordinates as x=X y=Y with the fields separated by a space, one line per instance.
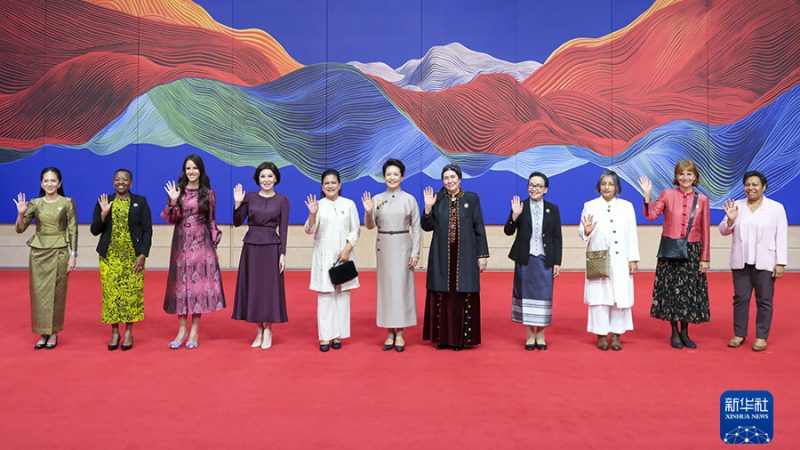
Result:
x=54 y=252
x=125 y=226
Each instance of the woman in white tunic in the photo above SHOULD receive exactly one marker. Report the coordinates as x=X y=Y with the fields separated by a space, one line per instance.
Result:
x=609 y=223
x=396 y=215
x=334 y=223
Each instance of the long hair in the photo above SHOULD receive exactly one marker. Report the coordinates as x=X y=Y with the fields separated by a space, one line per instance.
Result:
x=205 y=183
x=58 y=175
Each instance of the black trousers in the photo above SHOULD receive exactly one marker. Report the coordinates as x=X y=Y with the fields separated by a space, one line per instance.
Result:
x=745 y=281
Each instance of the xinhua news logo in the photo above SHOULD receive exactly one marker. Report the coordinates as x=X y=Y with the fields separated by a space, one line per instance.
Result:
x=746 y=417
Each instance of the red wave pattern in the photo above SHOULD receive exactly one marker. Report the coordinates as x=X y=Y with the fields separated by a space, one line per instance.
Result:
x=679 y=60
x=69 y=68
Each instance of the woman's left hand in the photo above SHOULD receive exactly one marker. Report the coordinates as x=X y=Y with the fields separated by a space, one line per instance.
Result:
x=777 y=271
x=73 y=261
x=344 y=256
x=282 y=263
x=633 y=267
x=412 y=262
x=482 y=264
x=704 y=266
x=138 y=266
x=556 y=270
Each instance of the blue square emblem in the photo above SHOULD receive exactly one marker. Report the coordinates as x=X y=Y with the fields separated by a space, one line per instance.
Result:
x=746 y=417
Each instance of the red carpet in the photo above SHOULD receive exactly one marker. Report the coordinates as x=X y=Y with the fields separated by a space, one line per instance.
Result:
x=226 y=395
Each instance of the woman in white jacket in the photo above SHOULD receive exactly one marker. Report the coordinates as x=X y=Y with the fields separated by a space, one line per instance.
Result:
x=333 y=220
x=609 y=223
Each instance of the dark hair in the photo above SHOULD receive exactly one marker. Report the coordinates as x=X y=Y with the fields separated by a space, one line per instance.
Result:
x=122 y=169
x=454 y=167
x=683 y=165
x=267 y=165
x=58 y=175
x=614 y=178
x=394 y=162
x=540 y=175
x=755 y=173
x=333 y=172
x=205 y=183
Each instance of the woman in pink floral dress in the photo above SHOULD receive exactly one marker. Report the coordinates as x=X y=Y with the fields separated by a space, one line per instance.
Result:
x=194 y=285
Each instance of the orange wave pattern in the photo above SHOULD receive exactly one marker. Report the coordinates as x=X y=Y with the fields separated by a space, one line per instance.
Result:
x=193 y=15
x=680 y=60
x=69 y=68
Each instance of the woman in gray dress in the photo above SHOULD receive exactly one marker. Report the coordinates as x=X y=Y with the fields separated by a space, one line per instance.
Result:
x=396 y=215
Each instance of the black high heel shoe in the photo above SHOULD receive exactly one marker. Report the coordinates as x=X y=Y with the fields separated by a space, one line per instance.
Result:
x=387 y=347
x=41 y=345
x=49 y=345
x=125 y=348
x=112 y=347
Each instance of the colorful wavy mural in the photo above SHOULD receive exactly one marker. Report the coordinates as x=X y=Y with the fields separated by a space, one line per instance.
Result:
x=716 y=82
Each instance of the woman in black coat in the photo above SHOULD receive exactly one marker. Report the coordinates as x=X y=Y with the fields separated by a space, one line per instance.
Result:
x=125 y=227
x=537 y=256
x=458 y=253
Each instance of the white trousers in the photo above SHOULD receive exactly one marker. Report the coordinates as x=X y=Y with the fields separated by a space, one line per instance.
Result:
x=333 y=315
x=604 y=319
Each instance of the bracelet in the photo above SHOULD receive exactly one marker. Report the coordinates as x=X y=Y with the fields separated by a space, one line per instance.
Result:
x=75 y=254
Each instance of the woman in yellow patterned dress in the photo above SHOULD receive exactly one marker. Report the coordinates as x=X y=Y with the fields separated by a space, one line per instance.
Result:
x=54 y=252
x=123 y=220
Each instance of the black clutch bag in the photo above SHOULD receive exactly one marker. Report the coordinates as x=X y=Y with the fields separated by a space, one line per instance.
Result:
x=671 y=248
x=342 y=273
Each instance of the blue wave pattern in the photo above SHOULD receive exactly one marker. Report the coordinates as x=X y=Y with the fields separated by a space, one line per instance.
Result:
x=331 y=115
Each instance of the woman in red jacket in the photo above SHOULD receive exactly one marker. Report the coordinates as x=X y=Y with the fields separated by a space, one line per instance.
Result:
x=680 y=291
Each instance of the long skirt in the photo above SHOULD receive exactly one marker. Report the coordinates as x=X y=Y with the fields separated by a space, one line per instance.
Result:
x=452 y=318
x=123 y=290
x=532 y=300
x=260 y=289
x=48 y=287
x=680 y=292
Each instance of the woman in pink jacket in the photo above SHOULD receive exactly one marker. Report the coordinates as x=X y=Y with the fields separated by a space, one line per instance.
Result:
x=758 y=255
x=680 y=291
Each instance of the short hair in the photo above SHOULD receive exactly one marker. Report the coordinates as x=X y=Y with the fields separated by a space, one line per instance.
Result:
x=333 y=172
x=541 y=175
x=614 y=177
x=684 y=165
x=122 y=169
x=396 y=163
x=755 y=173
x=454 y=167
x=272 y=168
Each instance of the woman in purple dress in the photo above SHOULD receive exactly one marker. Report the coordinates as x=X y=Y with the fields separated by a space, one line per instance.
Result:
x=194 y=285
x=260 y=292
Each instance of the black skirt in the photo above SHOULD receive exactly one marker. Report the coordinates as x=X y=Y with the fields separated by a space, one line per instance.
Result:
x=680 y=291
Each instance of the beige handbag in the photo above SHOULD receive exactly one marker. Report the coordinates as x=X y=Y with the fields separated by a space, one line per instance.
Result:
x=598 y=265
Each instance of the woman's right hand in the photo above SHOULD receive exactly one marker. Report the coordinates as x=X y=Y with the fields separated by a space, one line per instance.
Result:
x=731 y=211
x=312 y=204
x=430 y=198
x=588 y=224
x=238 y=193
x=366 y=200
x=105 y=205
x=22 y=204
x=646 y=186
x=172 y=191
x=516 y=207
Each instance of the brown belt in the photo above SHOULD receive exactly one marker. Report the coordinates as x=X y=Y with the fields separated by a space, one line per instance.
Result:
x=392 y=232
